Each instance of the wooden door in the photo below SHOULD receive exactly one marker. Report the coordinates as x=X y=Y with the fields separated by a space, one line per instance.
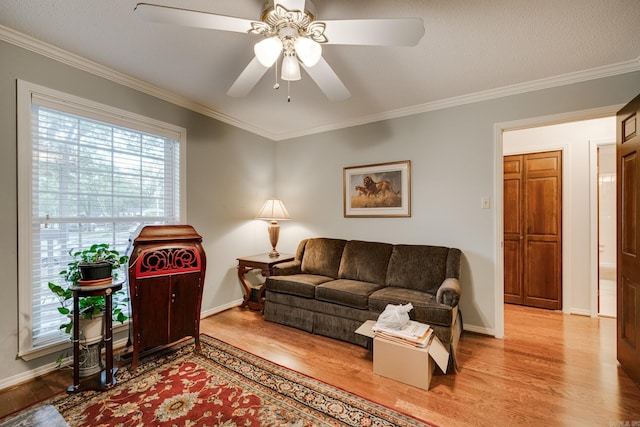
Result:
x=628 y=191
x=513 y=235
x=533 y=229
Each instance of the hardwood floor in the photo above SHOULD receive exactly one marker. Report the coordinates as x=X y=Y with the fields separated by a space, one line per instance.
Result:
x=550 y=369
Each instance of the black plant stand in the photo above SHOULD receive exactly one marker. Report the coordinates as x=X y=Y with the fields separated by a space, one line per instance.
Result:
x=107 y=378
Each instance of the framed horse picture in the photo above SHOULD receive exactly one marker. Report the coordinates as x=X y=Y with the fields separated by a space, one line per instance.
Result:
x=380 y=190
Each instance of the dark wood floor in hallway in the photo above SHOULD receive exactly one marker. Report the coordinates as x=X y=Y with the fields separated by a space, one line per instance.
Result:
x=550 y=369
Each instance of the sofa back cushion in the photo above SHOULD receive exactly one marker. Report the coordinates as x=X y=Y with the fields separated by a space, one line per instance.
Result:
x=322 y=256
x=365 y=261
x=418 y=267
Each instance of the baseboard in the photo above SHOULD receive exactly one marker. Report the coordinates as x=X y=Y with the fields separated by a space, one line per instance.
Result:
x=480 y=330
x=220 y=308
x=28 y=375
x=45 y=369
x=121 y=343
x=580 y=312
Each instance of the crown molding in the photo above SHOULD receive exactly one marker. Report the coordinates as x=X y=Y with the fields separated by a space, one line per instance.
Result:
x=76 y=61
x=501 y=92
x=37 y=46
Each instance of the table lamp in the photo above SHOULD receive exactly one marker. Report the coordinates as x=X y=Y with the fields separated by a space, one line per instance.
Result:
x=273 y=210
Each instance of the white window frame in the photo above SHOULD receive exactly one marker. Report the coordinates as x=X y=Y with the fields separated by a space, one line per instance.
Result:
x=26 y=92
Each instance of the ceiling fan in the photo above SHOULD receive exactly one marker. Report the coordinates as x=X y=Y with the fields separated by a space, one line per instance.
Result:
x=289 y=28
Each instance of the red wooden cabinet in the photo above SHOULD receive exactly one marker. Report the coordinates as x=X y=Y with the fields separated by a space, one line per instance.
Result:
x=167 y=267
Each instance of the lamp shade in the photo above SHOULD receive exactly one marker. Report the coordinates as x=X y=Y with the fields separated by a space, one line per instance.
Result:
x=268 y=50
x=290 y=68
x=308 y=51
x=273 y=210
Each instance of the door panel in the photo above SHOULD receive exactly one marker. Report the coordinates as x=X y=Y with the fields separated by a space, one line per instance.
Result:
x=541 y=274
x=512 y=206
x=628 y=191
x=542 y=199
x=513 y=274
x=629 y=320
x=629 y=204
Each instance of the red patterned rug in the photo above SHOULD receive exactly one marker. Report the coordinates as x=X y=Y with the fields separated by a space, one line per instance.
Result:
x=220 y=386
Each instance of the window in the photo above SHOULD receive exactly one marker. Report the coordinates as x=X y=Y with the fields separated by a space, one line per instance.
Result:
x=87 y=173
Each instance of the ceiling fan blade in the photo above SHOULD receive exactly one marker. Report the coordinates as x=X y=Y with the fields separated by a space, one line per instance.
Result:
x=191 y=18
x=328 y=81
x=375 y=32
x=249 y=77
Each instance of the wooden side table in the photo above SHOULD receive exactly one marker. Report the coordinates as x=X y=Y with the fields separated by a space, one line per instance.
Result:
x=106 y=377
x=254 y=295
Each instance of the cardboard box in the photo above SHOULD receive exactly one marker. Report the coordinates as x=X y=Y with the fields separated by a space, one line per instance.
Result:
x=405 y=363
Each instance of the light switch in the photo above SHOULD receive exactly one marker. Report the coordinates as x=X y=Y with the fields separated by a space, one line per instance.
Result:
x=485 y=202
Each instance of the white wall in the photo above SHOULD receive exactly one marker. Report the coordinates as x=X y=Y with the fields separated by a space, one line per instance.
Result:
x=453 y=154
x=574 y=139
x=448 y=177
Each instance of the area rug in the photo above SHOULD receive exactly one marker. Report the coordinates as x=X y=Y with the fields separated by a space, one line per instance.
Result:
x=219 y=386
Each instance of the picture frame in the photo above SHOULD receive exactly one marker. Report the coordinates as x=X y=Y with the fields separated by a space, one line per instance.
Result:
x=377 y=190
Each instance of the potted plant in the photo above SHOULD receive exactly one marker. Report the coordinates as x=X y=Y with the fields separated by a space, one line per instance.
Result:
x=93 y=264
x=92 y=307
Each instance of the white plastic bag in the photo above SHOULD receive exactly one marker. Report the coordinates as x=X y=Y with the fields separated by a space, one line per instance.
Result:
x=394 y=316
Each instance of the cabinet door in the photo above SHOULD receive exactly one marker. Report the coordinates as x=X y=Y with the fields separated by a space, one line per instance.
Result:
x=185 y=306
x=153 y=300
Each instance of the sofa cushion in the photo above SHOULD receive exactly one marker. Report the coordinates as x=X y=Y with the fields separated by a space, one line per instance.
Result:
x=303 y=285
x=322 y=256
x=425 y=307
x=365 y=261
x=313 y=305
x=417 y=267
x=352 y=293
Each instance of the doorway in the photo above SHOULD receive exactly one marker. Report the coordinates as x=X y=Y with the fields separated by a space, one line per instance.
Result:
x=573 y=134
x=607 y=229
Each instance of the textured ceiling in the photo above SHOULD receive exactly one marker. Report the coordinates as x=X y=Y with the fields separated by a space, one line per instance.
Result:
x=471 y=49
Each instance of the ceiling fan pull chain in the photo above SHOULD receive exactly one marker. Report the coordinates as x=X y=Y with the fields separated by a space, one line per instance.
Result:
x=288 y=91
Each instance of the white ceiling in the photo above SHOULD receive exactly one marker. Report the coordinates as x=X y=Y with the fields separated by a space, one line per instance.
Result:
x=471 y=50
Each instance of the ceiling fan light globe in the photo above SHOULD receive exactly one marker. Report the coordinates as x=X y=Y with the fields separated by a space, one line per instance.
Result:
x=290 y=68
x=268 y=50
x=308 y=51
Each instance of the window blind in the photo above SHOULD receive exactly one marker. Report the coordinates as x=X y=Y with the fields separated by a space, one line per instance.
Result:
x=92 y=181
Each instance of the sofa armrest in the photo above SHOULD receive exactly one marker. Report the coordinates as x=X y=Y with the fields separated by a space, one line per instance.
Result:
x=287 y=268
x=449 y=292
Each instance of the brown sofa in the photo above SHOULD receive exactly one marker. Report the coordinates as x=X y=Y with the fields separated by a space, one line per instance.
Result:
x=333 y=286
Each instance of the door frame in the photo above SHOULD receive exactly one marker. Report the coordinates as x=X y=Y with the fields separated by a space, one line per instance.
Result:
x=594 y=144
x=498 y=130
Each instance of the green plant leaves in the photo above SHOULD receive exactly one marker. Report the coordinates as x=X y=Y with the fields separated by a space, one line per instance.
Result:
x=93 y=305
